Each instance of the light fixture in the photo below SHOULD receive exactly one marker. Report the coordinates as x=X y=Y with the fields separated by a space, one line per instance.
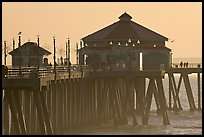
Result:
x=138 y=41
x=129 y=40
x=126 y=44
x=154 y=46
x=118 y=43
x=133 y=45
x=111 y=42
x=19 y=34
x=38 y=35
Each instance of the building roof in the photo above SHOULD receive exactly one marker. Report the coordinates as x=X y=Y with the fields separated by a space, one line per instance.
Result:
x=125 y=17
x=125 y=29
x=32 y=46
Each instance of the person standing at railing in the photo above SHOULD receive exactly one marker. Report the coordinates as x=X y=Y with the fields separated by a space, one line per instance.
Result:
x=186 y=64
x=181 y=64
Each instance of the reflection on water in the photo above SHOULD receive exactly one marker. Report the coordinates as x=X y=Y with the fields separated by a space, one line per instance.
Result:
x=181 y=123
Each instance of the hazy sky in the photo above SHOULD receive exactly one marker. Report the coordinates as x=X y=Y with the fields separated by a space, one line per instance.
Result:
x=181 y=22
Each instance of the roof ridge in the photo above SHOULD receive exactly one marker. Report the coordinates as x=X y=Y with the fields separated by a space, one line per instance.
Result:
x=111 y=25
x=127 y=28
x=149 y=29
x=132 y=29
x=25 y=45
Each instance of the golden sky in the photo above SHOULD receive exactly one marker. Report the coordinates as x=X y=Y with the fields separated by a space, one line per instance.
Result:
x=179 y=21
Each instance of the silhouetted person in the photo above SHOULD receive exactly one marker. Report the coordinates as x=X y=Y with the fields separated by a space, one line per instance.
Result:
x=181 y=64
x=45 y=62
x=61 y=60
x=55 y=63
x=187 y=64
x=184 y=64
x=50 y=64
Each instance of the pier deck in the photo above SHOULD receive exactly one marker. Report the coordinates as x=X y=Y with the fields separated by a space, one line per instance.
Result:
x=90 y=97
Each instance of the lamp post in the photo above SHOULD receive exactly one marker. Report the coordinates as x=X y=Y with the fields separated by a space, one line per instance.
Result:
x=66 y=53
x=81 y=57
x=111 y=44
x=54 y=58
x=77 y=54
x=5 y=53
x=68 y=62
x=19 y=44
x=13 y=43
x=38 y=39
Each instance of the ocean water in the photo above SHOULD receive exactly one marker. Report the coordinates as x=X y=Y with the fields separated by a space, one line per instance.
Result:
x=184 y=122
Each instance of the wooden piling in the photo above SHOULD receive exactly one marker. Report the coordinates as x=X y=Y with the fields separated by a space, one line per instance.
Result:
x=172 y=85
x=65 y=105
x=5 y=114
x=199 y=97
x=54 y=106
x=170 y=92
x=189 y=91
x=41 y=117
x=148 y=100
x=28 y=110
x=33 y=115
x=129 y=100
x=138 y=85
x=59 y=104
x=47 y=122
x=14 y=113
x=176 y=90
x=162 y=101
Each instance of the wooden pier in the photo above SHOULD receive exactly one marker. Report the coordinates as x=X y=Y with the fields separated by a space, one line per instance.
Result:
x=174 y=89
x=55 y=106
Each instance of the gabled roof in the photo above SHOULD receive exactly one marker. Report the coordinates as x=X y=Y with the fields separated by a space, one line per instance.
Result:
x=125 y=29
x=32 y=46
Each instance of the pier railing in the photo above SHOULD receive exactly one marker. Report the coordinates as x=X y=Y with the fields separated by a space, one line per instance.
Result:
x=75 y=68
x=190 y=65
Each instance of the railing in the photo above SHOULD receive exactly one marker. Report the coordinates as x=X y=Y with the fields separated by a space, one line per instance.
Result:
x=43 y=71
x=189 y=65
x=46 y=70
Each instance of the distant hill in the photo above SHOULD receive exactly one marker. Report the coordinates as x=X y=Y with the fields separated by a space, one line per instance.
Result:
x=190 y=60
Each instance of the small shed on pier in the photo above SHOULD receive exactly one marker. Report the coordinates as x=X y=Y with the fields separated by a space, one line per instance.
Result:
x=29 y=55
x=125 y=44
